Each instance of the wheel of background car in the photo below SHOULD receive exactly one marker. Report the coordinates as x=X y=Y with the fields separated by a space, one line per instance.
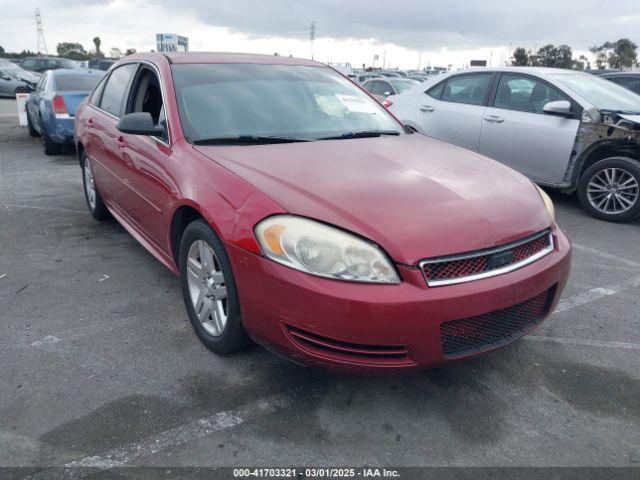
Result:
x=209 y=290
x=96 y=206
x=610 y=189
x=32 y=131
x=50 y=147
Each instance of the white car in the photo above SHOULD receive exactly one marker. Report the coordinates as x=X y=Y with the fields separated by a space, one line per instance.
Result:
x=564 y=129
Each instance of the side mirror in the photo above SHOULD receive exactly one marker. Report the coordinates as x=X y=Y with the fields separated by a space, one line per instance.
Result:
x=4 y=76
x=561 y=108
x=139 y=123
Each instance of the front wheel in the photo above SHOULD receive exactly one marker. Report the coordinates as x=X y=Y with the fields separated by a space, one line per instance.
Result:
x=209 y=290
x=610 y=189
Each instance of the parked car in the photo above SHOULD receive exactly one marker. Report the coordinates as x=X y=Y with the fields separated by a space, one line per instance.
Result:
x=629 y=79
x=42 y=64
x=14 y=79
x=51 y=107
x=381 y=88
x=103 y=64
x=333 y=237
x=419 y=78
x=361 y=78
x=564 y=129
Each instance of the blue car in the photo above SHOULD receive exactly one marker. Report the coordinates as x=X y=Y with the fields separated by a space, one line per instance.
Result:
x=51 y=107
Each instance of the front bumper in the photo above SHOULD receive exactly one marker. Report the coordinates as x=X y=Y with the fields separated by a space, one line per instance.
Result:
x=368 y=326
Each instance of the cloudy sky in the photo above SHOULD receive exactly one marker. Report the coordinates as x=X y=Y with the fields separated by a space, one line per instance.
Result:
x=403 y=32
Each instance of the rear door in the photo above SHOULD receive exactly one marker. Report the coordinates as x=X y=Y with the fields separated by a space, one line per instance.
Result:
x=452 y=110
x=106 y=152
x=516 y=131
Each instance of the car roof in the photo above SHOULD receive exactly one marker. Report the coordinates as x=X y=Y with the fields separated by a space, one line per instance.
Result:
x=230 y=57
x=633 y=73
x=540 y=71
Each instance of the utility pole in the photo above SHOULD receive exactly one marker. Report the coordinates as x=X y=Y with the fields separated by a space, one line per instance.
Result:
x=312 y=36
x=41 y=42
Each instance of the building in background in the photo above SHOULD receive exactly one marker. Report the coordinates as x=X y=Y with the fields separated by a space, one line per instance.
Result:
x=170 y=42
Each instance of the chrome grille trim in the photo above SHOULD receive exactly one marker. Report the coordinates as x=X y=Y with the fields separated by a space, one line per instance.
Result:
x=480 y=253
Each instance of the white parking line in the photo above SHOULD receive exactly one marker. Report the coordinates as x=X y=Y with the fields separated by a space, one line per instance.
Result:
x=595 y=294
x=579 y=341
x=35 y=207
x=96 y=366
x=184 y=433
x=608 y=256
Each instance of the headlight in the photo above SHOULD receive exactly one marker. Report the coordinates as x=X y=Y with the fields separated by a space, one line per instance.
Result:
x=547 y=202
x=319 y=249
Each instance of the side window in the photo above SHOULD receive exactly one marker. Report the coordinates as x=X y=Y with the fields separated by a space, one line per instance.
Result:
x=436 y=92
x=146 y=96
x=114 y=92
x=29 y=64
x=525 y=94
x=370 y=86
x=380 y=87
x=469 y=89
x=632 y=83
x=95 y=97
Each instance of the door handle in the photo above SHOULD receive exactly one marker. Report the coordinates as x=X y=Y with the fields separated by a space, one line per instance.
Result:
x=121 y=142
x=427 y=108
x=90 y=122
x=493 y=119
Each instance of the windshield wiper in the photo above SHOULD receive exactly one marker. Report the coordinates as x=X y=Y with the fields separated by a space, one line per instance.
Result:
x=361 y=134
x=247 y=139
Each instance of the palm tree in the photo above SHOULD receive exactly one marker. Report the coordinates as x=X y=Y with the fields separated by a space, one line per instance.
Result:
x=97 y=42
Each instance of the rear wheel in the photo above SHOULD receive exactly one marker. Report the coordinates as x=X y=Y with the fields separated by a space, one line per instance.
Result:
x=50 y=147
x=610 y=189
x=96 y=206
x=32 y=131
x=209 y=290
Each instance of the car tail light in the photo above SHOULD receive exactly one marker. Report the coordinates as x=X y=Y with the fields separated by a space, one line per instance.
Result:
x=387 y=103
x=59 y=107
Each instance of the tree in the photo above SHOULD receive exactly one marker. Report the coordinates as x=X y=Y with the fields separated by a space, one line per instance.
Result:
x=564 y=57
x=115 y=52
x=619 y=54
x=1 y=50
x=624 y=54
x=65 y=47
x=520 y=57
x=97 y=42
x=130 y=51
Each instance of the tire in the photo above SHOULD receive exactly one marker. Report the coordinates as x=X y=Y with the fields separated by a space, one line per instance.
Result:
x=616 y=176
x=97 y=208
x=32 y=131
x=221 y=329
x=50 y=147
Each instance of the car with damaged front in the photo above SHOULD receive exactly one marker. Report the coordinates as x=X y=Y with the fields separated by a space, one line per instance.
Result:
x=297 y=212
x=564 y=129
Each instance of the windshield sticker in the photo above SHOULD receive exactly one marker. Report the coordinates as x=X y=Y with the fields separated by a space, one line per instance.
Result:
x=357 y=104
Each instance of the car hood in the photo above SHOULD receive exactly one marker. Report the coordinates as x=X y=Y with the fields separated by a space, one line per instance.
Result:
x=415 y=196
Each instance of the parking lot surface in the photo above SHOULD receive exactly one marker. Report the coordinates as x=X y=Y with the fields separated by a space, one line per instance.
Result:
x=101 y=367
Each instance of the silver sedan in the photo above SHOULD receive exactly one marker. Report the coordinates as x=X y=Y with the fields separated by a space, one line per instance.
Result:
x=564 y=129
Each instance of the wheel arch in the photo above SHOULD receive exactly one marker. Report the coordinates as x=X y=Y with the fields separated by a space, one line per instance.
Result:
x=607 y=149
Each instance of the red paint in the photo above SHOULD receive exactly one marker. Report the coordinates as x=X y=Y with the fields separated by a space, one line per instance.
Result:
x=414 y=196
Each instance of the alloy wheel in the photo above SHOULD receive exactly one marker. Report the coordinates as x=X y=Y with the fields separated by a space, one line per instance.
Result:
x=613 y=191
x=207 y=287
x=89 y=184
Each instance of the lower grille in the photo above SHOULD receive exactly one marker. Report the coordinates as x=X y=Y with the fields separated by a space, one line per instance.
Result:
x=491 y=330
x=349 y=352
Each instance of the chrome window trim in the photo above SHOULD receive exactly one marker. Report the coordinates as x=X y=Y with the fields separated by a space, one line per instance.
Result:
x=480 y=253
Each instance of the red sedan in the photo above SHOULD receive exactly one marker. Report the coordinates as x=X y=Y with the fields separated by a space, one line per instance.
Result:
x=299 y=213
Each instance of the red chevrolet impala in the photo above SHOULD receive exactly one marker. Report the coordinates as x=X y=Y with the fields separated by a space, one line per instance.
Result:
x=299 y=213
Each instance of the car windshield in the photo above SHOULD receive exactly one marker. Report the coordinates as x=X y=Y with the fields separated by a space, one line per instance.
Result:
x=603 y=94
x=299 y=102
x=403 y=85
x=70 y=83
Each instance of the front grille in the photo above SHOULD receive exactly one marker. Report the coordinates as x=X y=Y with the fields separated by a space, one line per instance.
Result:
x=475 y=334
x=347 y=351
x=485 y=263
